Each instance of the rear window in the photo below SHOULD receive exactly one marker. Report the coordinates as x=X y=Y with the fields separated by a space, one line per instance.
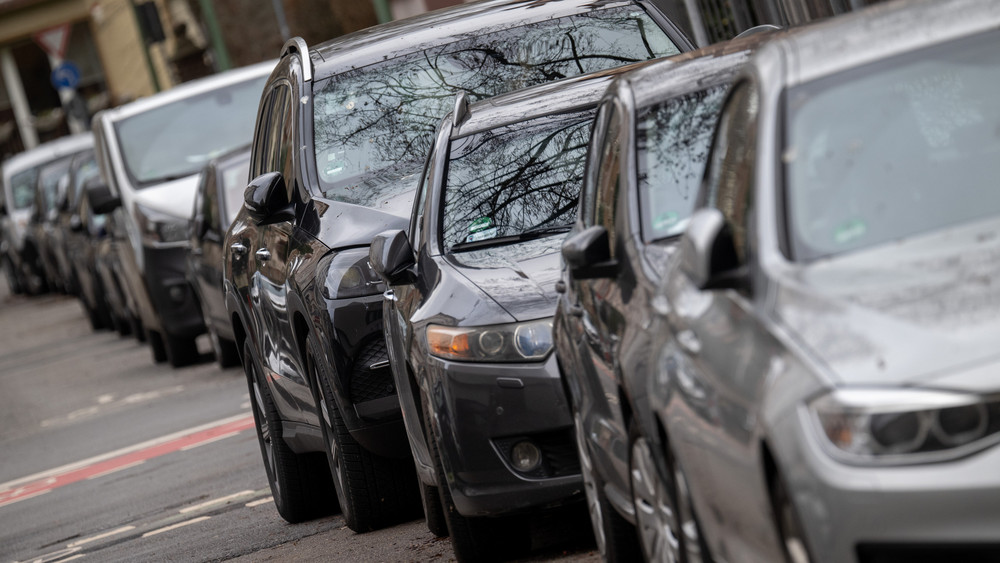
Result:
x=373 y=126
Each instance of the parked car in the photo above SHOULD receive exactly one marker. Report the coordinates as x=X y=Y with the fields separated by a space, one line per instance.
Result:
x=21 y=259
x=82 y=167
x=150 y=152
x=121 y=305
x=341 y=134
x=645 y=164
x=43 y=228
x=827 y=385
x=216 y=203
x=469 y=311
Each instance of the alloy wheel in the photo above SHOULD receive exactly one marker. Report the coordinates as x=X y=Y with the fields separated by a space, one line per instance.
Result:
x=336 y=460
x=590 y=487
x=657 y=517
x=265 y=432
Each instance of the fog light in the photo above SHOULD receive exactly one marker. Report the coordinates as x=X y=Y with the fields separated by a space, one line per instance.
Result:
x=526 y=456
x=176 y=293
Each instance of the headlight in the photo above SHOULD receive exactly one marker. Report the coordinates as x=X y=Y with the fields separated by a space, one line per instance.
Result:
x=515 y=342
x=886 y=426
x=350 y=274
x=157 y=227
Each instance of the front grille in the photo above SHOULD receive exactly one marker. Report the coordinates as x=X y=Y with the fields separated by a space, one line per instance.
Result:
x=559 y=455
x=367 y=383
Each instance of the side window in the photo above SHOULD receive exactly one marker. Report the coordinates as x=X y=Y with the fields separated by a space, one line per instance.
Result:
x=589 y=190
x=212 y=220
x=417 y=217
x=729 y=177
x=609 y=176
x=286 y=136
x=260 y=137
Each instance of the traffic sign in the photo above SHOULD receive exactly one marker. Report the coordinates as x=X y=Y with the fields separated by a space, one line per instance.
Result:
x=53 y=40
x=66 y=75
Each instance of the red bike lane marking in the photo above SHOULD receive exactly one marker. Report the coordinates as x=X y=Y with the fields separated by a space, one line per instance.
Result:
x=74 y=473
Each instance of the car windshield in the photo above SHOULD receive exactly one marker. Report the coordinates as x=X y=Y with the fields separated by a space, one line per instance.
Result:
x=48 y=181
x=85 y=170
x=672 y=144
x=898 y=148
x=22 y=187
x=178 y=139
x=374 y=125
x=515 y=182
x=234 y=176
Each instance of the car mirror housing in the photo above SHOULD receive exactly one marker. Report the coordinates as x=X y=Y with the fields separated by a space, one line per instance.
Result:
x=391 y=256
x=266 y=198
x=588 y=254
x=708 y=252
x=100 y=198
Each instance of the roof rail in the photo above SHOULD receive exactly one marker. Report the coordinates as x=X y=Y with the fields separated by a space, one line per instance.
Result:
x=298 y=45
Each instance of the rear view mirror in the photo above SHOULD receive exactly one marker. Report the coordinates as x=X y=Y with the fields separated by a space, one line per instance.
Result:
x=588 y=254
x=392 y=258
x=100 y=198
x=266 y=198
x=708 y=252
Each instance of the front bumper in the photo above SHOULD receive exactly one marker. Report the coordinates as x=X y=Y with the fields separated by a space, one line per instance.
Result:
x=482 y=410
x=943 y=511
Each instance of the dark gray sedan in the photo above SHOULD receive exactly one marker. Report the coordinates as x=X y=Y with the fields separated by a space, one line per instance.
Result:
x=829 y=378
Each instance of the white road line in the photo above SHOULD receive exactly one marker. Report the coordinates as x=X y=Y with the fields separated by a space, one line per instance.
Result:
x=114 y=532
x=77 y=556
x=216 y=439
x=259 y=502
x=116 y=469
x=220 y=500
x=134 y=448
x=177 y=525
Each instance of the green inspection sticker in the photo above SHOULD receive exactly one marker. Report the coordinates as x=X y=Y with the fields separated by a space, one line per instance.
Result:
x=665 y=220
x=849 y=231
x=480 y=224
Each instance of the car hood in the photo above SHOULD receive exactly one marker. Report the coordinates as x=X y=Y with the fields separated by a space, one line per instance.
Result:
x=175 y=197
x=921 y=311
x=519 y=277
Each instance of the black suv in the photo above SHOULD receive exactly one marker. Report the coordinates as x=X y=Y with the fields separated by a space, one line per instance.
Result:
x=341 y=136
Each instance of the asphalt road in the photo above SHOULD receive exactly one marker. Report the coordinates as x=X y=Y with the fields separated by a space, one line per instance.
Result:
x=105 y=456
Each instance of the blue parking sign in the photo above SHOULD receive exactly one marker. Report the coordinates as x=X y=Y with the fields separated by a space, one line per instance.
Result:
x=66 y=75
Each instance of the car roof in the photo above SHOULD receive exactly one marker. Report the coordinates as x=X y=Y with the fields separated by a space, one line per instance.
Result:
x=878 y=32
x=186 y=90
x=441 y=27
x=45 y=152
x=565 y=95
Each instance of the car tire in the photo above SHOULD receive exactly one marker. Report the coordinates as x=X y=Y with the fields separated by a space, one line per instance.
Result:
x=226 y=353
x=433 y=511
x=157 y=346
x=95 y=318
x=665 y=520
x=614 y=535
x=300 y=483
x=788 y=523
x=373 y=491
x=13 y=280
x=473 y=539
x=33 y=278
x=181 y=351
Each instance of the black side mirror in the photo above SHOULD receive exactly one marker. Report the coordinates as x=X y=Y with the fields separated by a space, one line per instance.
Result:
x=708 y=252
x=588 y=254
x=100 y=198
x=267 y=199
x=392 y=257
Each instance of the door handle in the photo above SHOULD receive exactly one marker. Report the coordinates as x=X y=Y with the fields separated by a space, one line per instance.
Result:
x=689 y=341
x=263 y=254
x=238 y=249
x=389 y=295
x=560 y=286
x=576 y=310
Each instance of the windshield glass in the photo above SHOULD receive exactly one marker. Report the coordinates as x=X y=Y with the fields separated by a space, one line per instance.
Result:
x=22 y=186
x=373 y=126
x=234 y=176
x=48 y=181
x=514 y=179
x=86 y=168
x=898 y=148
x=178 y=139
x=672 y=144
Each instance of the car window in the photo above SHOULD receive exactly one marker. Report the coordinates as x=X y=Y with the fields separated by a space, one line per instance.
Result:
x=589 y=191
x=514 y=180
x=672 y=143
x=373 y=124
x=902 y=147
x=234 y=177
x=48 y=182
x=609 y=176
x=86 y=168
x=22 y=187
x=417 y=217
x=170 y=142
x=729 y=175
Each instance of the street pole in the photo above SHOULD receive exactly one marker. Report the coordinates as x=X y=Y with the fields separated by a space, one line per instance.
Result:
x=382 y=11
x=18 y=99
x=219 y=51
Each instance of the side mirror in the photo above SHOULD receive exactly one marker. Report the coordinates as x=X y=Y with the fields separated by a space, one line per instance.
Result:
x=266 y=197
x=392 y=258
x=588 y=254
x=708 y=252
x=100 y=198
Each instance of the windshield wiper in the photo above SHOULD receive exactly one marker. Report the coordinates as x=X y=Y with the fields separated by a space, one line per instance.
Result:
x=530 y=234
